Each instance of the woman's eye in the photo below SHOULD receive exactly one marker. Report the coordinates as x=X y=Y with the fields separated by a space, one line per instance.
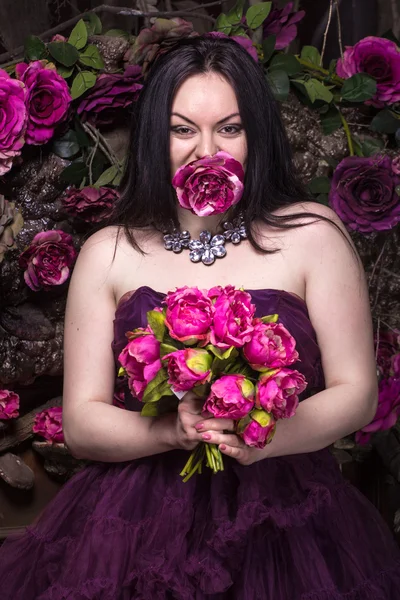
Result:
x=232 y=129
x=181 y=130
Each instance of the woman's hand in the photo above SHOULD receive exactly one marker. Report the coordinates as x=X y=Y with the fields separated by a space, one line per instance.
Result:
x=228 y=443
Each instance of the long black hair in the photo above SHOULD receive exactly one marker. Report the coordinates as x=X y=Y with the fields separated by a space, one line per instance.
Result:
x=147 y=196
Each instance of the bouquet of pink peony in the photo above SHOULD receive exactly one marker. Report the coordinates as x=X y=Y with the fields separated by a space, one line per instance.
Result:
x=210 y=342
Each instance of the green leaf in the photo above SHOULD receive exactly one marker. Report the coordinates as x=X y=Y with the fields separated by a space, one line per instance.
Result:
x=238 y=30
x=82 y=82
x=234 y=16
x=79 y=35
x=222 y=24
x=149 y=410
x=280 y=84
x=311 y=55
x=91 y=57
x=154 y=387
x=34 y=48
x=121 y=372
x=222 y=354
x=83 y=139
x=331 y=121
x=167 y=349
x=270 y=318
x=256 y=14
x=65 y=72
x=93 y=23
x=358 y=88
x=75 y=172
x=314 y=89
x=261 y=416
x=63 y=52
x=268 y=47
x=67 y=145
x=332 y=66
x=323 y=199
x=156 y=320
x=107 y=176
x=287 y=63
x=385 y=122
x=371 y=146
x=320 y=185
x=389 y=35
x=118 y=33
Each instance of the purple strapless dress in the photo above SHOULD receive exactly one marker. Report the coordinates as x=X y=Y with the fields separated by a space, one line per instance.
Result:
x=288 y=528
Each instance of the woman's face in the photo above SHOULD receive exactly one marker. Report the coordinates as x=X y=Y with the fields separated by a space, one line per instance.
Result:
x=204 y=120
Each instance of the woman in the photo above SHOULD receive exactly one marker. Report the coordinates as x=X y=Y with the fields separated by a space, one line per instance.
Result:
x=278 y=523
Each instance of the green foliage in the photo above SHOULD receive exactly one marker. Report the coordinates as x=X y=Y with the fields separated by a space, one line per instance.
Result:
x=268 y=47
x=287 y=63
x=385 y=121
x=83 y=81
x=93 y=24
x=256 y=14
x=331 y=120
x=280 y=84
x=358 y=88
x=34 y=48
x=91 y=57
x=64 y=53
x=79 y=35
x=311 y=55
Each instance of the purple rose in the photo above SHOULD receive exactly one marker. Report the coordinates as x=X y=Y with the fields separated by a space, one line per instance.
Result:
x=111 y=92
x=271 y=346
x=283 y=24
x=89 y=203
x=9 y=405
x=396 y=165
x=13 y=119
x=231 y=396
x=48 y=260
x=233 y=317
x=378 y=57
x=256 y=429
x=189 y=315
x=141 y=360
x=48 y=424
x=188 y=368
x=388 y=410
x=363 y=193
x=388 y=348
x=277 y=392
x=242 y=40
x=210 y=185
x=47 y=100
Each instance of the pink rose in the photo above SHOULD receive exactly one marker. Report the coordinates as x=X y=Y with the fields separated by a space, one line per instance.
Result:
x=47 y=100
x=48 y=260
x=388 y=410
x=89 y=203
x=9 y=405
x=233 y=317
x=13 y=119
x=189 y=315
x=141 y=360
x=48 y=424
x=210 y=185
x=231 y=396
x=378 y=57
x=58 y=38
x=277 y=392
x=270 y=346
x=188 y=368
x=256 y=429
x=242 y=40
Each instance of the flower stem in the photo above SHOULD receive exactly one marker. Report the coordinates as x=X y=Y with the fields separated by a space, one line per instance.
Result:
x=348 y=133
x=335 y=78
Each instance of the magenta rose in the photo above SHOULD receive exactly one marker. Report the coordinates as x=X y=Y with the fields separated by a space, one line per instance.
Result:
x=210 y=185
x=47 y=99
x=112 y=92
x=388 y=348
x=48 y=260
x=233 y=317
x=363 y=193
x=13 y=119
x=9 y=405
x=396 y=165
x=188 y=368
x=256 y=429
x=378 y=57
x=242 y=40
x=189 y=315
x=141 y=360
x=231 y=396
x=270 y=346
x=282 y=23
x=48 y=424
x=388 y=410
x=277 y=392
x=89 y=203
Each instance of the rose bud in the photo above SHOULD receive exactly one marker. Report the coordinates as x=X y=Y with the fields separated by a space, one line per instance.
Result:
x=277 y=392
x=231 y=396
x=271 y=346
x=188 y=368
x=256 y=429
x=141 y=360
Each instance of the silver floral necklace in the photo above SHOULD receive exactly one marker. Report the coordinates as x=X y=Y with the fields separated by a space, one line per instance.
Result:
x=208 y=247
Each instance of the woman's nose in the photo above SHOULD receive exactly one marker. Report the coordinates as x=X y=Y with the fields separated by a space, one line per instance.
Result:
x=206 y=146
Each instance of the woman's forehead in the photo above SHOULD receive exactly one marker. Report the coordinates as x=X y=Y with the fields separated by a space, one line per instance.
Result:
x=207 y=94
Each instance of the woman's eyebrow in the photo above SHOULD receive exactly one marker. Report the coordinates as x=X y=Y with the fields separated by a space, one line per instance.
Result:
x=193 y=123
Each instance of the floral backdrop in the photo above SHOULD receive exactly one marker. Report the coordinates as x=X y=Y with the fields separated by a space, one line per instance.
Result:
x=62 y=147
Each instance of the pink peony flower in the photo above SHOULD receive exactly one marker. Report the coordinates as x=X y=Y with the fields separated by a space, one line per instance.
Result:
x=231 y=396
x=48 y=424
x=388 y=410
x=189 y=315
x=380 y=58
x=188 y=368
x=13 y=119
x=242 y=40
x=9 y=405
x=210 y=185
x=58 y=38
x=363 y=193
x=141 y=360
x=256 y=429
x=47 y=100
x=282 y=23
x=233 y=317
x=277 y=392
x=270 y=346
x=111 y=92
x=48 y=260
x=89 y=203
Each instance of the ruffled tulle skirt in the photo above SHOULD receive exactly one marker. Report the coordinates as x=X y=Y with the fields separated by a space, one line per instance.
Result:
x=282 y=529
